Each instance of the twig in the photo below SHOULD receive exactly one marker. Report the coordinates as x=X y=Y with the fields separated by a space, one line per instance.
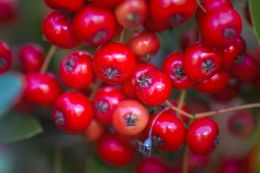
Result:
x=48 y=58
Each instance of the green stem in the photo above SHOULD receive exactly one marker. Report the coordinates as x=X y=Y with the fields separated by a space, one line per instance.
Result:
x=48 y=58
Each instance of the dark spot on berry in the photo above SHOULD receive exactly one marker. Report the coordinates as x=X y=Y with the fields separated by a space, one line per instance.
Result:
x=178 y=72
x=133 y=17
x=70 y=64
x=102 y=106
x=239 y=125
x=131 y=119
x=144 y=81
x=207 y=65
x=2 y=62
x=229 y=33
x=111 y=73
x=157 y=140
x=239 y=59
x=59 y=118
x=99 y=36
x=216 y=141
x=176 y=19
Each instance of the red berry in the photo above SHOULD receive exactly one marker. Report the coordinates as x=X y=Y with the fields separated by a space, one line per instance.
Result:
x=72 y=112
x=5 y=57
x=221 y=27
x=76 y=70
x=168 y=132
x=173 y=67
x=114 y=62
x=94 y=25
x=8 y=10
x=188 y=38
x=32 y=57
x=144 y=44
x=41 y=89
x=130 y=117
x=153 y=87
x=131 y=13
x=57 y=29
x=70 y=5
x=107 y=3
x=105 y=101
x=202 y=136
x=94 y=131
x=114 y=150
x=214 y=84
x=200 y=62
x=232 y=165
x=152 y=165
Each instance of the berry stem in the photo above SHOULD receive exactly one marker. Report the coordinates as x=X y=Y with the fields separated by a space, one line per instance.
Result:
x=200 y=6
x=57 y=160
x=48 y=58
x=185 y=160
x=178 y=110
x=94 y=87
x=181 y=100
x=231 y=109
x=122 y=35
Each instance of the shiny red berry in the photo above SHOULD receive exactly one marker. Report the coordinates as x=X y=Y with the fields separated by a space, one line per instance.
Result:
x=75 y=69
x=94 y=25
x=41 y=89
x=153 y=87
x=202 y=136
x=173 y=67
x=144 y=44
x=32 y=57
x=69 y=5
x=57 y=29
x=131 y=13
x=72 y=112
x=114 y=62
x=105 y=101
x=5 y=57
x=130 y=117
x=221 y=27
x=168 y=132
x=115 y=151
x=152 y=165
x=200 y=62
x=107 y=3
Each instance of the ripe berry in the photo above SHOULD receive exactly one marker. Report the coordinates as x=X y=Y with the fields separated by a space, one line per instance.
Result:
x=153 y=87
x=75 y=69
x=5 y=57
x=114 y=62
x=32 y=57
x=220 y=27
x=57 y=29
x=233 y=165
x=173 y=67
x=105 y=101
x=152 y=165
x=202 y=136
x=168 y=132
x=42 y=89
x=114 y=150
x=94 y=131
x=172 y=13
x=200 y=62
x=72 y=112
x=131 y=13
x=70 y=5
x=144 y=44
x=231 y=91
x=107 y=3
x=214 y=84
x=94 y=25
x=130 y=117
x=8 y=10
x=241 y=124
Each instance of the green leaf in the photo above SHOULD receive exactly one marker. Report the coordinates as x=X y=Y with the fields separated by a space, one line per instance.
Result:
x=11 y=87
x=16 y=127
x=255 y=15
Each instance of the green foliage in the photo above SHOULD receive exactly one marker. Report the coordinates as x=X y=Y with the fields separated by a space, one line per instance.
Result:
x=255 y=15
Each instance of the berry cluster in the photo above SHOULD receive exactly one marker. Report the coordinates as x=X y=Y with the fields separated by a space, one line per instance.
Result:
x=108 y=95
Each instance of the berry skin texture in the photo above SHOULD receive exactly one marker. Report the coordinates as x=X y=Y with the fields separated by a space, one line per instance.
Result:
x=214 y=84
x=72 y=112
x=94 y=131
x=221 y=27
x=168 y=132
x=131 y=13
x=145 y=44
x=76 y=70
x=130 y=117
x=105 y=101
x=153 y=87
x=114 y=150
x=42 y=89
x=114 y=62
x=32 y=57
x=57 y=29
x=200 y=62
x=152 y=165
x=202 y=136
x=94 y=25
x=173 y=67
x=69 y=5
x=5 y=57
